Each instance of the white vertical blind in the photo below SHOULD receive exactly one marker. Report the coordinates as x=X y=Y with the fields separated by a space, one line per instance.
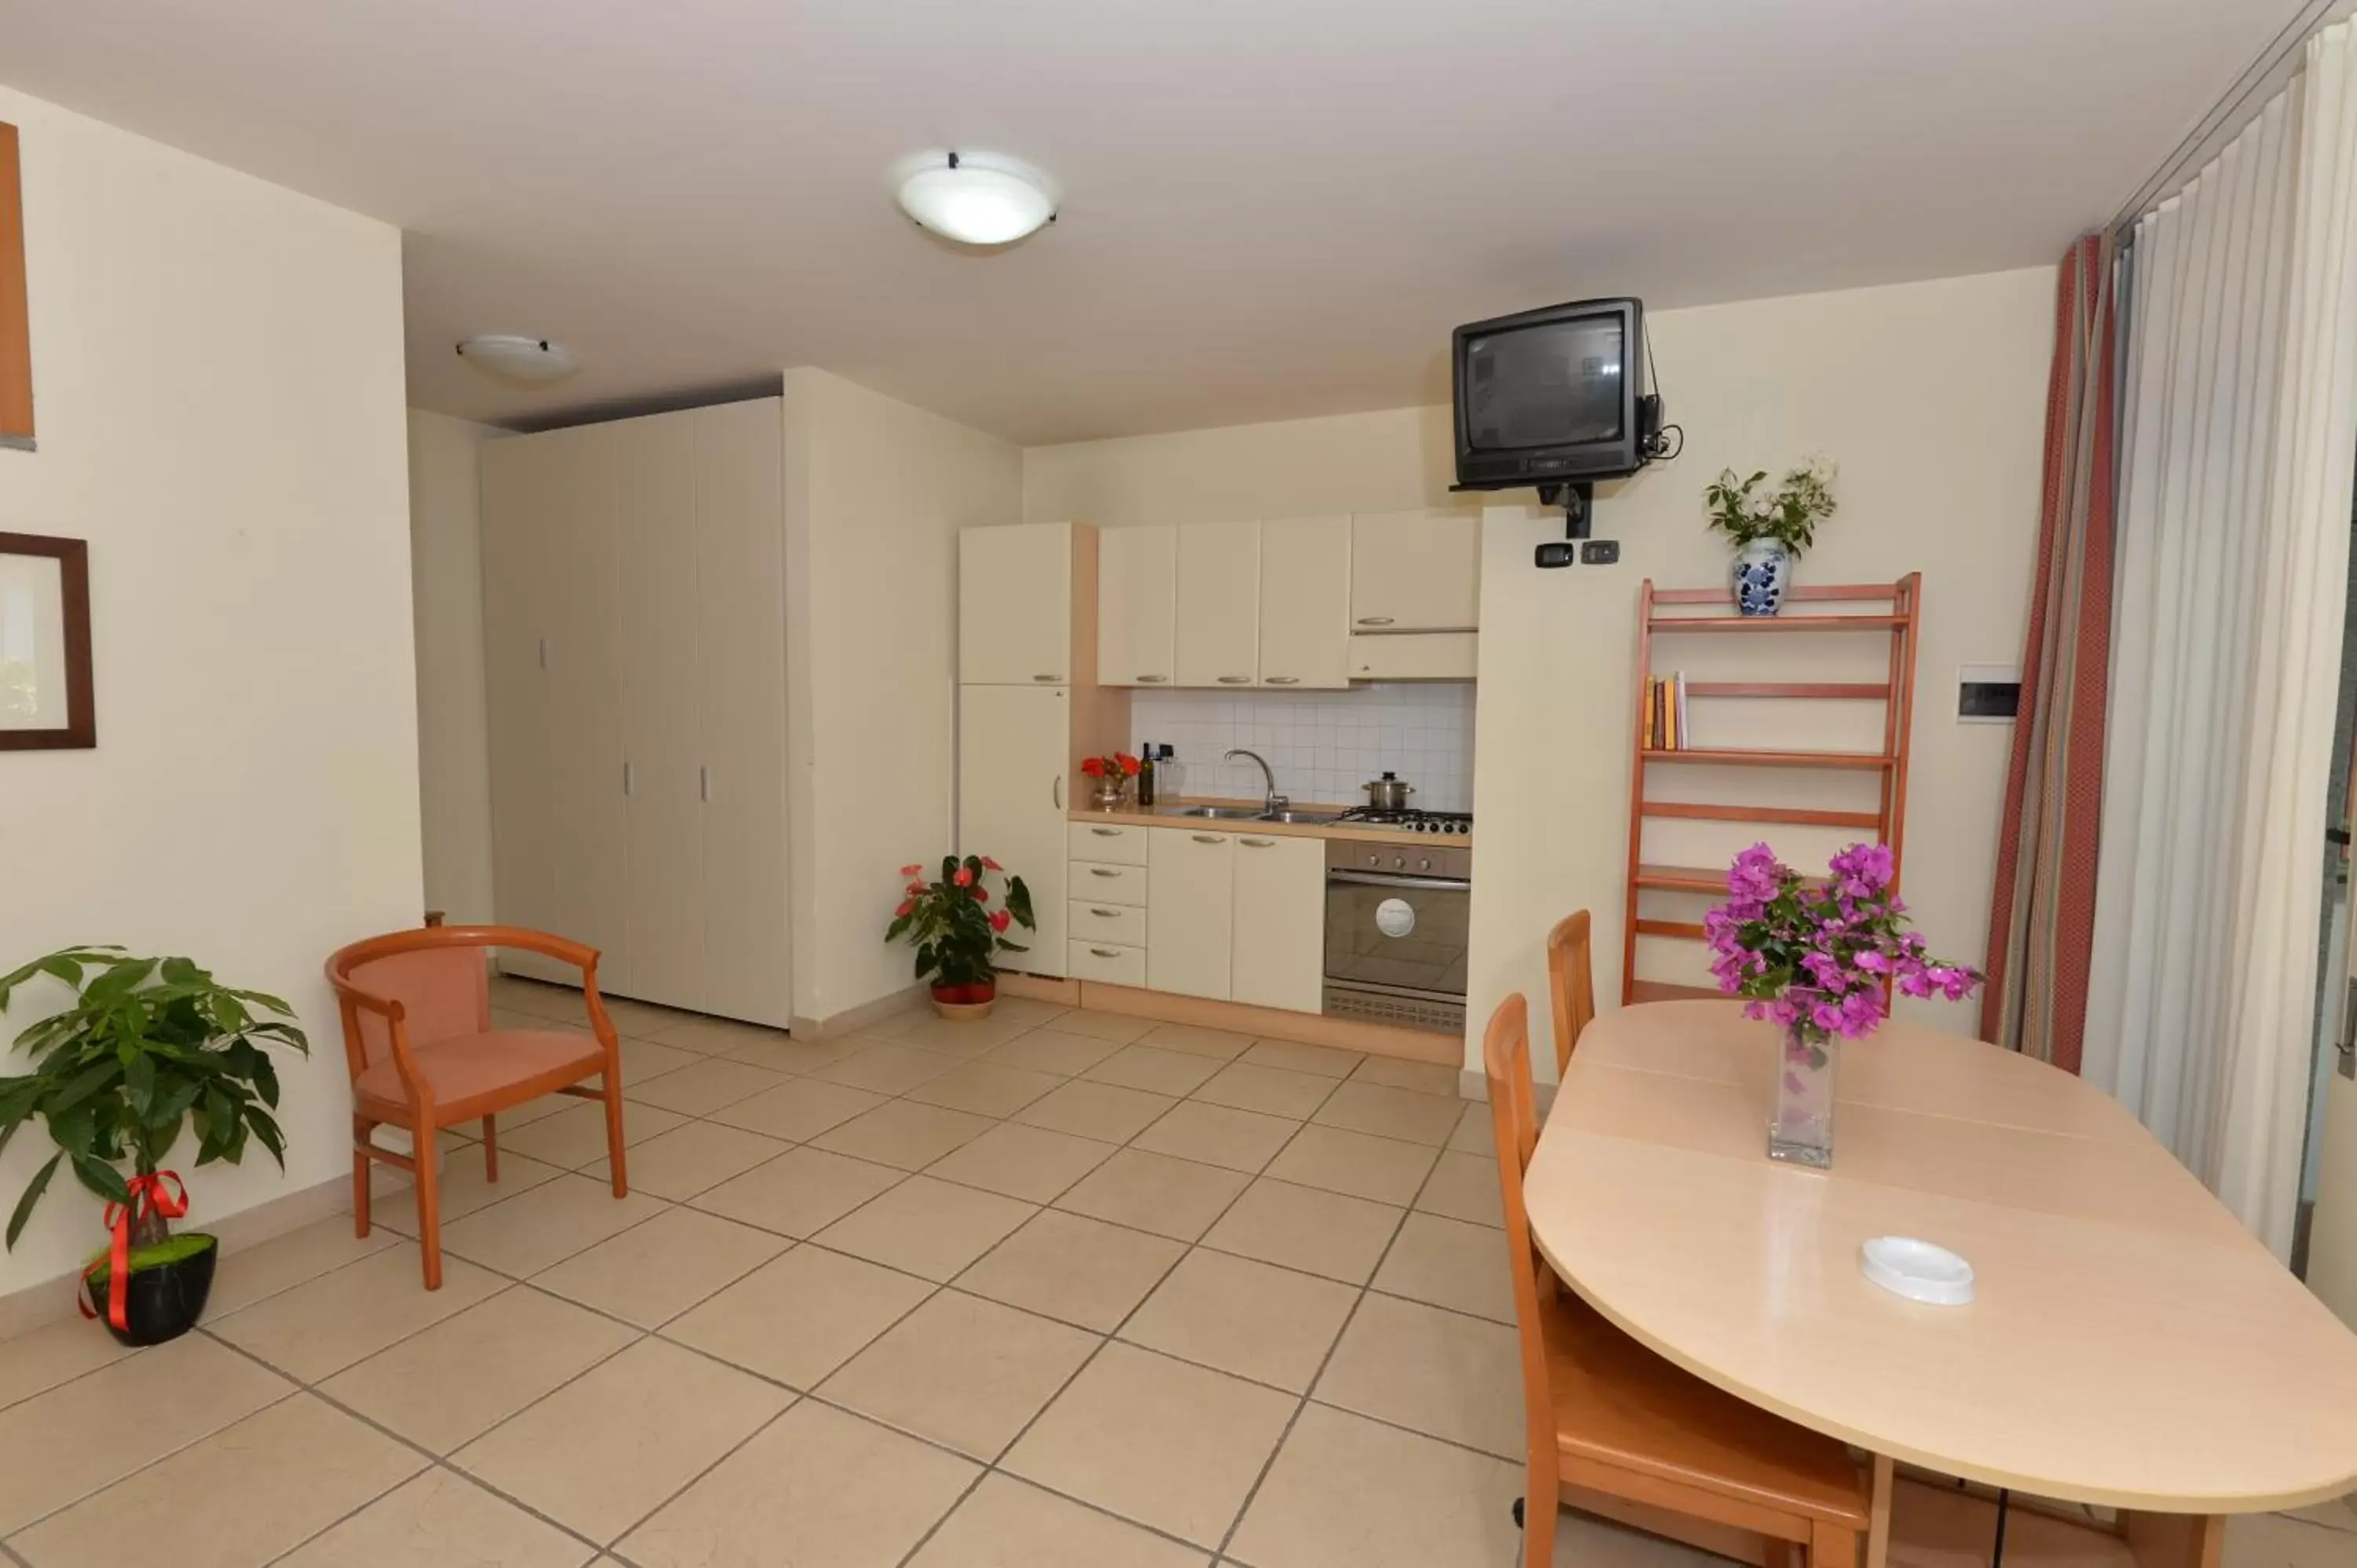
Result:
x=2239 y=423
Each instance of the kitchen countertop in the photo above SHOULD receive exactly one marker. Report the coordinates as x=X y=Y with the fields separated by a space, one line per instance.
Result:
x=1168 y=815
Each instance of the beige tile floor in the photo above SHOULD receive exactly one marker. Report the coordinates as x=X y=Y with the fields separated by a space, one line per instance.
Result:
x=1059 y=1290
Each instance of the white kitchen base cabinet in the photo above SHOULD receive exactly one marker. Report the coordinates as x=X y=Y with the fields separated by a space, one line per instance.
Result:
x=1277 y=944
x=1012 y=759
x=1191 y=922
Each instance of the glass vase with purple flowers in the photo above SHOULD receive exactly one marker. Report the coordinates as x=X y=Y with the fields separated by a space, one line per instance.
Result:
x=1819 y=958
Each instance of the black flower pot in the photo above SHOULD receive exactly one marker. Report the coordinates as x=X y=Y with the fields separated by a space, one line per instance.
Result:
x=162 y=1300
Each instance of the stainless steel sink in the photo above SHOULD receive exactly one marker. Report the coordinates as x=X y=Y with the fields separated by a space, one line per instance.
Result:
x=1311 y=817
x=1222 y=813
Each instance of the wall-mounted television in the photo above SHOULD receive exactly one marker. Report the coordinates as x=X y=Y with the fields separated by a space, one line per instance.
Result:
x=1553 y=395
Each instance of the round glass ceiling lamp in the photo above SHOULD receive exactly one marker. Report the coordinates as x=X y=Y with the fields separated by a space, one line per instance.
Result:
x=975 y=198
x=512 y=357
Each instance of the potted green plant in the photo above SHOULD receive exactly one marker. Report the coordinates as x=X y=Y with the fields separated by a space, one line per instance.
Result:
x=957 y=930
x=147 y=1046
x=1771 y=528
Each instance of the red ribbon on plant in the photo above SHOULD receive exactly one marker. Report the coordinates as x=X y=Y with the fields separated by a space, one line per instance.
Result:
x=147 y=1197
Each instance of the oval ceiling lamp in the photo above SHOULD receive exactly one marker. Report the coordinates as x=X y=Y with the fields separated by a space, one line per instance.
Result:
x=975 y=198
x=512 y=357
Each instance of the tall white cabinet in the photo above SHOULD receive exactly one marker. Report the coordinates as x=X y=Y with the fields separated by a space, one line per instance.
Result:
x=634 y=612
x=1030 y=707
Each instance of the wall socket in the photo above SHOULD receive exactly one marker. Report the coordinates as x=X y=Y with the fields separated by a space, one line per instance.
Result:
x=1600 y=552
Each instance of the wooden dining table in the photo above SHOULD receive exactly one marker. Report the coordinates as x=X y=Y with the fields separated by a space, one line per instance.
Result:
x=2129 y=1344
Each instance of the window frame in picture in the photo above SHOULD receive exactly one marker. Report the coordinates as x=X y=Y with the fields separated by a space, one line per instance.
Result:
x=80 y=729
x=16 y=316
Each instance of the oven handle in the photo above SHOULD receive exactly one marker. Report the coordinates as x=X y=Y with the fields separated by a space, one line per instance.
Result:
x=1382 y=879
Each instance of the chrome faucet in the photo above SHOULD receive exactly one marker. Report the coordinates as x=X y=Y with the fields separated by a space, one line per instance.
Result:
x=1274 y=802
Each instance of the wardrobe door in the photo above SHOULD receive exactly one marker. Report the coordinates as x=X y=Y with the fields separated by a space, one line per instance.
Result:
x=661 y=627
x=740 y=710
x=586 y=806
x=516 y=497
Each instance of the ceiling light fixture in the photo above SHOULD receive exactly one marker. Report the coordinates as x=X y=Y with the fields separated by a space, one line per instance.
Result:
x=975 y=198
x=514 y=357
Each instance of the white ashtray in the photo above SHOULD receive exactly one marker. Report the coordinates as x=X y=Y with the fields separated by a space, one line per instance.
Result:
x=1917 y=1270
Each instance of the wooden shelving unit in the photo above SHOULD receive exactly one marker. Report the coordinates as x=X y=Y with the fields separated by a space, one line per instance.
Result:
x=1890 y=609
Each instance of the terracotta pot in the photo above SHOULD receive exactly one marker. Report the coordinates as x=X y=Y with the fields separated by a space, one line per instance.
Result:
x=965 y=1003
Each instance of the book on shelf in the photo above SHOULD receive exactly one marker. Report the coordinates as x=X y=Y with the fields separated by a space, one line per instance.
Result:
x=1666 y=722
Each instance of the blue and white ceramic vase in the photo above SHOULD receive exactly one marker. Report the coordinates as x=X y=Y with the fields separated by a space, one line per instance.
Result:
x=1761 y=572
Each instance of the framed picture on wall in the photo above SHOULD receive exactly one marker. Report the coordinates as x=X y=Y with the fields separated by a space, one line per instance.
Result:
x=47 y=700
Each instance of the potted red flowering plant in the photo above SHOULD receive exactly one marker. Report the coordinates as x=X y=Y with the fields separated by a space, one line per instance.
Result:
x=957 y=930
x=1112 y=775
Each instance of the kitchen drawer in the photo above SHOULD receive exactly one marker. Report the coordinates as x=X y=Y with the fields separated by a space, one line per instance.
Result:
x=1098 y=883
x=1108 y=843
x=1106 y=963
x=1121 y=924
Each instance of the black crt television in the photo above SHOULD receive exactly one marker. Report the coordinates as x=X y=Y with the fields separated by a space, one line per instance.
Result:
x=1553 y=395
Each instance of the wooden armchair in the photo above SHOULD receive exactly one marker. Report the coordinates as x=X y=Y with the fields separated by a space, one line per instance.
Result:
x=418 y=1038
x=1571 y=983
x=1618 y=1431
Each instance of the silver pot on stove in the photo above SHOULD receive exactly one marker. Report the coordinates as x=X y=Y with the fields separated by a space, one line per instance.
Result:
x=1388 y=793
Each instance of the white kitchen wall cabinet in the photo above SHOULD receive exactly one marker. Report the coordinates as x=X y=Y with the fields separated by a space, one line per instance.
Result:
x=1014 y=760
x=1278 y=940
x=1138 y=598
x=1305 y=602
x=1190 y=919
x=634 y=618
x=1016 y=607
x=1416 y=571
x=1219 y=604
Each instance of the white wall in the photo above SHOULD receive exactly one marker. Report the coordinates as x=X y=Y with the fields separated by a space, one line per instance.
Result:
x=218 y=364
x=1931 y=395
x=876 y=493
x=453 y=741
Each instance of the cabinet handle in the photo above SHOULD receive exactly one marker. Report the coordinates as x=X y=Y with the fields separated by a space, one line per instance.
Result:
x=704 y=784
x=1052 y=679
x=1152 y=679
x=1257 y=843
x=543 y=654
x=1283 y=680
x=1235 y=679
x=1210 y=838
x=1374 y=620
x=1058 y=791
x=1105 y=952
x=1106 y=914
x=629 y=779
x=1106 y=833
x=1101 y=871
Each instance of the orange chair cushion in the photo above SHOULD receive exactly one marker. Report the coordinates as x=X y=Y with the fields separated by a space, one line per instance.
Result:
x=471 y=1074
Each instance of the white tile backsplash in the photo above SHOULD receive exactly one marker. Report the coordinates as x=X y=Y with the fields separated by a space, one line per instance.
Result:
x=1323 y=745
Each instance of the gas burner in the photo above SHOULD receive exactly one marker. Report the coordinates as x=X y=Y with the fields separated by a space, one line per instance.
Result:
x=1412 y=821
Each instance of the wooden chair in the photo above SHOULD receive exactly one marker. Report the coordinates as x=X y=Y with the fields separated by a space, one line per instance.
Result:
x=418 y=1038
x=1571 y=981
x=1616 y=1429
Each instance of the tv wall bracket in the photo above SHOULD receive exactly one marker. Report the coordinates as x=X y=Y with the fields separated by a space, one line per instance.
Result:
x=1577 y=499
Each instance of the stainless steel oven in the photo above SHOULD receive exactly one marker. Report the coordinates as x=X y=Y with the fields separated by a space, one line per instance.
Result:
x=1398 y=915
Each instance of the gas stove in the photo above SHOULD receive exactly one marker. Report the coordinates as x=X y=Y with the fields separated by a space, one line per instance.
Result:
x=1412 y=821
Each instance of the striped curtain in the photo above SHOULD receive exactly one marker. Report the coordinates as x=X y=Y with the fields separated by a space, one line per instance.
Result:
x=2041 y=921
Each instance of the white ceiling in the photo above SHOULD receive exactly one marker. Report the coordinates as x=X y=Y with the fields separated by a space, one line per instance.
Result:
x=1273 y=208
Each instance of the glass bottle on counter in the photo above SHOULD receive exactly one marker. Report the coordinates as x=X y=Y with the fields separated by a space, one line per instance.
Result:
x=1146 y=773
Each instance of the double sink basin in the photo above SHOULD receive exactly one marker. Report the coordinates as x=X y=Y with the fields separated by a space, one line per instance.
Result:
x=1255 y=814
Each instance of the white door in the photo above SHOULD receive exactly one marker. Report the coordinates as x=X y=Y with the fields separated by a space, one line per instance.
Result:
x=741 y=711
x=661 y=624
x=1014 y=753
x=1219 y=604
x=1305 y=602
x=1190 y=912
x=515 y=499
x=1015 y=606
x=1137 y=595
x=1279 y=942
x=1416 y=571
